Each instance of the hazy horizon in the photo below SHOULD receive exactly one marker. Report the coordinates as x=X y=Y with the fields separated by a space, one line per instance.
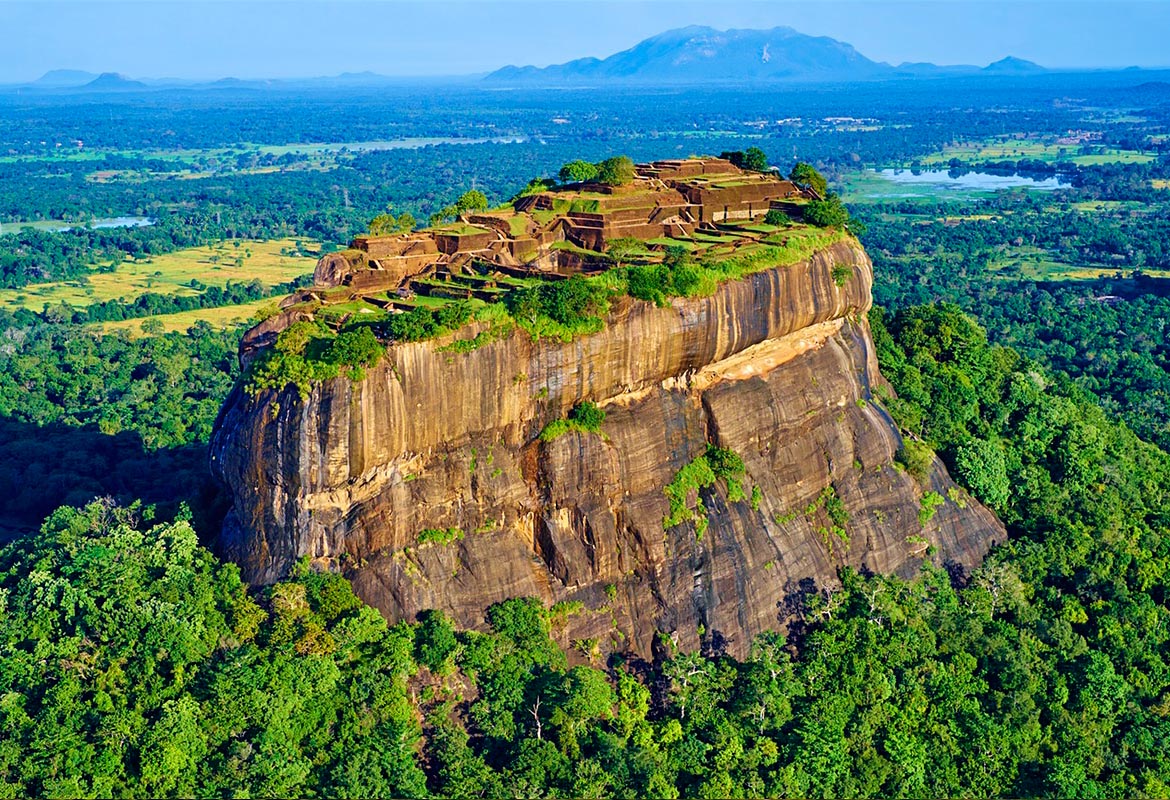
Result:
x=215 y=39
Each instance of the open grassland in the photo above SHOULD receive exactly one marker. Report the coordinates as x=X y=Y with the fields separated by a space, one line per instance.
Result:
x=225 y=317
x=1016 y=149
x=1036 y=264
x=1110 y=206
x=955 y=219
x=214 y=265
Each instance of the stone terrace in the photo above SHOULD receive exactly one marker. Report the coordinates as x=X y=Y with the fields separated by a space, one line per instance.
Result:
x=700 y=203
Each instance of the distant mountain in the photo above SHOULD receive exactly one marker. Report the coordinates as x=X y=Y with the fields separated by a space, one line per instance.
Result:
x=698 y=54
x=928 y=70
x=1013 y=66
x=113 y=82
x=233 y=83
x=1005 y=66
x=63 y=79
x=73 y=81
x=357 y=78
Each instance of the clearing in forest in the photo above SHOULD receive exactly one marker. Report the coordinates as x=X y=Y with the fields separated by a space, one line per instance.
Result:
x=240 y=261
x=223 y=317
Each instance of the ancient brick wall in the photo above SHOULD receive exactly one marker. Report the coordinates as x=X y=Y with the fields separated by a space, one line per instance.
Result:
x=451 y=243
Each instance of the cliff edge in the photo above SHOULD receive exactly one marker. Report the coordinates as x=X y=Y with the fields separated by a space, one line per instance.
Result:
x=428 y=484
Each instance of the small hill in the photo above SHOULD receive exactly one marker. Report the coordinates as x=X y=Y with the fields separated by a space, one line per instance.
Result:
x=700 y=54
x=63 y=79
x=1013 y=66
x=113 y=82
x=235 y=83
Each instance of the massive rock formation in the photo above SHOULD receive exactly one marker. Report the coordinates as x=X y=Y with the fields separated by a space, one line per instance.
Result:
x=778 y=367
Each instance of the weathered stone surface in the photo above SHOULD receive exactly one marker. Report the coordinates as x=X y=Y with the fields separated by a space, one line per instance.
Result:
x=333 y=268
x=777 y=366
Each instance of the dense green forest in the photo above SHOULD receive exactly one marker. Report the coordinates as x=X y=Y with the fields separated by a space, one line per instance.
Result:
x=1109 y=335
x=86 y=415
x=133 y=663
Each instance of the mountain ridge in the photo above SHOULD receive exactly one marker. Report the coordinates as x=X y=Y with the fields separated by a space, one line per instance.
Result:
x=700 y=54
x=691 y=54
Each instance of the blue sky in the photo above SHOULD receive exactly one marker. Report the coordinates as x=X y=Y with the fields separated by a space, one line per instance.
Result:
x=219 y=38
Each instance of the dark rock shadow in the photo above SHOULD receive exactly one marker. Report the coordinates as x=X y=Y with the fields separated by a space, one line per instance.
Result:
x=791 y=610
x=44 y=467
x=958 y=574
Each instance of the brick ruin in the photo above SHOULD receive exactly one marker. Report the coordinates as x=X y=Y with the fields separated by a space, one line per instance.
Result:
x=667 y=199
x=551 y=234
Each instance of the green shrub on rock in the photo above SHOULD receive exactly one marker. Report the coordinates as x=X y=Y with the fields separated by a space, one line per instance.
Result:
x=585 y=417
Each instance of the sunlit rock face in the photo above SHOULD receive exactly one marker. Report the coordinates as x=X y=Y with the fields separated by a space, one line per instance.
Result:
x=777 y=367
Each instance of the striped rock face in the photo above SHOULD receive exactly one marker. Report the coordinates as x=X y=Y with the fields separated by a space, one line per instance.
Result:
x=778 y=367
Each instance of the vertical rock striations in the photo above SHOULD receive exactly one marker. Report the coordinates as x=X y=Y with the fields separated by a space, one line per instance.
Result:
x=776 y=367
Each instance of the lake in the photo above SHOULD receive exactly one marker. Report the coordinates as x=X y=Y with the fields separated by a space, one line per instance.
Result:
x=931 y=182
x=61 y=225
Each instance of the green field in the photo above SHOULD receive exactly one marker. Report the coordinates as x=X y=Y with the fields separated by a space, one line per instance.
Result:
x=7 y=228
x=1016 y=149
x=177 y=323
x=215 y=265
x=1037 y=264
x=1109 y=206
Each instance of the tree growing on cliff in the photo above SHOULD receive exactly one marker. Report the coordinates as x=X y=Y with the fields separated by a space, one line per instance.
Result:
x=356 y=350
x=827 y=213
x=616 y=171
x=577 y=171
x=535 y=186
x=443 y=214
x=472 y=200
x=734 y=156
x=806 y=176
x=776 y=216
x=621 y=250
x=387 y=224
x=755 y=159
x=576 y=303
